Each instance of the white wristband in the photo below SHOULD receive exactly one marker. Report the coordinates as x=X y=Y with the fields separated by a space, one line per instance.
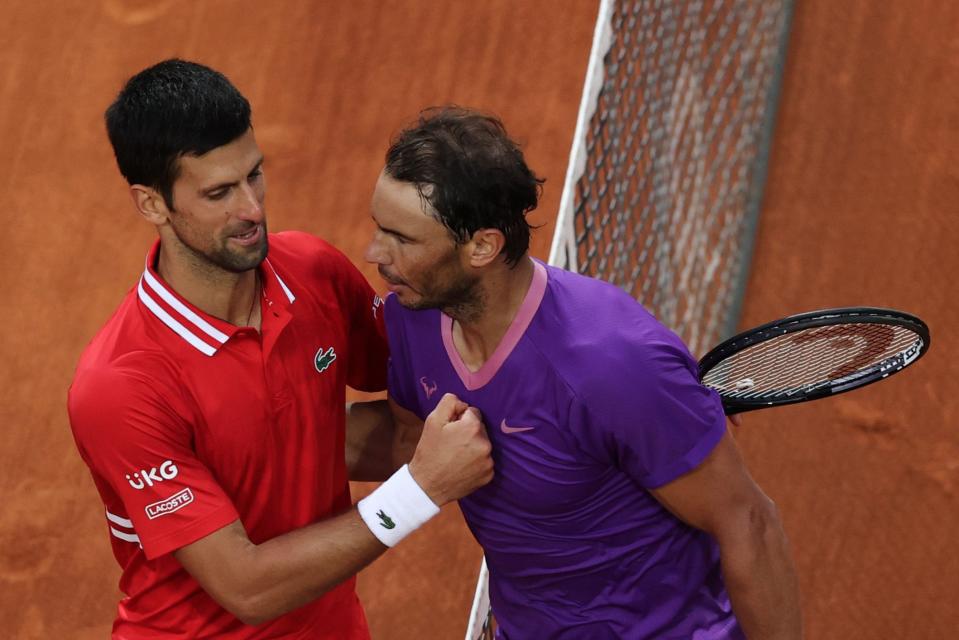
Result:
x=397 y=508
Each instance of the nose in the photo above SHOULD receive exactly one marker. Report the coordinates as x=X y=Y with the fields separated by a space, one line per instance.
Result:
x=375 y=251
x=250 y=204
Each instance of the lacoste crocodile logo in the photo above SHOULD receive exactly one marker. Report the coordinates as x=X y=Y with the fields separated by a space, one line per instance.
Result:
x=322 y=360
x=505 y=428
x=385 y=521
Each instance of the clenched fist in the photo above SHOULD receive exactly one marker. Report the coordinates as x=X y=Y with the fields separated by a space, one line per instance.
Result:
x=453 y=457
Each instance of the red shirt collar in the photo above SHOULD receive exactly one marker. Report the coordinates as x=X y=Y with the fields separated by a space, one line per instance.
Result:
x=204 y=332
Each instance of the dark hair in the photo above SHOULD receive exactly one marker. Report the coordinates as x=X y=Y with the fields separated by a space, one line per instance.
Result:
x=169 y=110
x=470 y=172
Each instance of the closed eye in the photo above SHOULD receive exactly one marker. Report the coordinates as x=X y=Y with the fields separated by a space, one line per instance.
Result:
x=399 y=237
x=220 y=191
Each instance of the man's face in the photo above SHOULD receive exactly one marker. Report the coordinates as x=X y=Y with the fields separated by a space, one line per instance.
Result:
x=218 y=205
x=414 y=252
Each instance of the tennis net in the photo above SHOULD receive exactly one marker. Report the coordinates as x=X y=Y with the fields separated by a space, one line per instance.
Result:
x=668 y=163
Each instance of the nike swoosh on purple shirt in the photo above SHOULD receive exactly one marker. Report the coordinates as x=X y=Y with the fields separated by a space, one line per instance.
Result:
x=505 y=428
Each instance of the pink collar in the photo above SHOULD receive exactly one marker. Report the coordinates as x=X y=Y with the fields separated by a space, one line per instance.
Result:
x=474 y=380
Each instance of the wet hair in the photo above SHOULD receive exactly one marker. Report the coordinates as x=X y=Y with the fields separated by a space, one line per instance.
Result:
x=470 y=172
x=172 y=109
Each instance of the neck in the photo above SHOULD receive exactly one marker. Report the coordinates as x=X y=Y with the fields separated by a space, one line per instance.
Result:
x=220 y=293
x=478 y=331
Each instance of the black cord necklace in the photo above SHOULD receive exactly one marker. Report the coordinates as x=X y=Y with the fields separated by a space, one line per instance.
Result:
x=256 y=297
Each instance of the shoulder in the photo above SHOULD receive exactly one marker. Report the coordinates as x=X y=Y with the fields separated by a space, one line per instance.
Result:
x=293 y=242
x=582 y=298
x=597 y=319
x=399 y=317
x=124 y=371
x=604 y=341
x=316 y=266
x=395 y=312
x=413 y=334
x=304 y=252
x=126 y=337
x=107 y=392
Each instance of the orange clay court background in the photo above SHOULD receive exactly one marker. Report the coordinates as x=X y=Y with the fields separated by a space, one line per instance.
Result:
x=860 y=208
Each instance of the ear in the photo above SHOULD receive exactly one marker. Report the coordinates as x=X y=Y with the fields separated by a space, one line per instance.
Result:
x=485 y=246
x=149 y=204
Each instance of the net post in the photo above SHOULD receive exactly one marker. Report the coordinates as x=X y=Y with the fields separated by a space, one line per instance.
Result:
x=479 y=613
x=563 y=250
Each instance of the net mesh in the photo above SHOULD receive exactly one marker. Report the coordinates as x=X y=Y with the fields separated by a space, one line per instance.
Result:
x=669 y=167
x=802 y=361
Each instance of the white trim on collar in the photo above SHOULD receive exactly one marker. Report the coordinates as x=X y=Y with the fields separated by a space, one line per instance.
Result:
x=183 y=310
x=286 y=289
x=188 y=324
x=174 y=324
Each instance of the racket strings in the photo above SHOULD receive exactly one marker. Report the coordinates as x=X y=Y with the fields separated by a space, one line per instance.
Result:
x=791 y=365
x=798 y=363
x=801 y=361
x=806 y=363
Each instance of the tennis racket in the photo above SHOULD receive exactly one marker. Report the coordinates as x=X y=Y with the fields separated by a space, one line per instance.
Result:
x=812 y=355
x=796 y=359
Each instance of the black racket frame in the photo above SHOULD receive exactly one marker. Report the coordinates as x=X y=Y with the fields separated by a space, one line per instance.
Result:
x=811 y=320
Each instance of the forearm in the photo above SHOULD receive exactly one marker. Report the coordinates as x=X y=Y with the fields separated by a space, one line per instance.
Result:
x=760 y=576
x=291 y=570
x=260 y=582
x=374 y=444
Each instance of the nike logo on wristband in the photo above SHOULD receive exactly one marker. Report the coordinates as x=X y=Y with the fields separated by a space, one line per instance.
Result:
x=385 y=521
x=505 y=428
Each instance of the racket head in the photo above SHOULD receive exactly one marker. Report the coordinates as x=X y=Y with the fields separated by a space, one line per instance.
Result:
x=812 y=355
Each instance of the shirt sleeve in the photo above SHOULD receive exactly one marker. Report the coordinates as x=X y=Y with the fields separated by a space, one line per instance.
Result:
x=400 y=378
x=139 y=445
x=653 y=419
x=368 y=350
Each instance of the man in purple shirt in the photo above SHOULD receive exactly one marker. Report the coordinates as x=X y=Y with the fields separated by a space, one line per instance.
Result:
x=620 y=506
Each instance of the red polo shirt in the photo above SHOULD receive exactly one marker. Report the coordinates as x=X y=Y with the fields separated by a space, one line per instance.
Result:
x=188 y=422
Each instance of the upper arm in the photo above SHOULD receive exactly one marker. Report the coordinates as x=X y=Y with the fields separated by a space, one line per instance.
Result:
x=717 y=495
x=401 y=382
x=367 y=333
x=409 y=427
x=134 y=437
x=652 y=418
x=380 y=438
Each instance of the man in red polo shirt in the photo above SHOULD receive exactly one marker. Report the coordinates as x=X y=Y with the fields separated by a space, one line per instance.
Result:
x=210 y=408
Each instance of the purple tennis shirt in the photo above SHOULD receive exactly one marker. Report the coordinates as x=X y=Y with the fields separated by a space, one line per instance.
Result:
x=588 y=402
